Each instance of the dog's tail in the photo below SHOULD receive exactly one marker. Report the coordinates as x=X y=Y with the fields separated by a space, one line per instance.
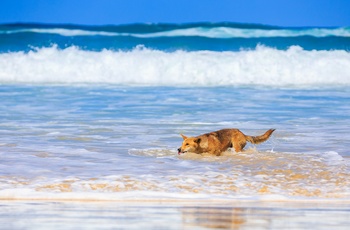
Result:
x=259 y=139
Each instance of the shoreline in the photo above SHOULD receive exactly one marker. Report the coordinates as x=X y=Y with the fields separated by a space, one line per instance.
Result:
x=182 y=201
x=174 y=214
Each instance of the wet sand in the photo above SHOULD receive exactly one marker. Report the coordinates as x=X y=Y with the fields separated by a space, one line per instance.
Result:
x=174 y=214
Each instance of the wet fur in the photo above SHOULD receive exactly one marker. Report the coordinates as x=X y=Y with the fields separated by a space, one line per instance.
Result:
x=219 y=141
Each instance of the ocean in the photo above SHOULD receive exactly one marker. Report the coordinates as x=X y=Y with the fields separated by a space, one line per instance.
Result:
x=91 y=118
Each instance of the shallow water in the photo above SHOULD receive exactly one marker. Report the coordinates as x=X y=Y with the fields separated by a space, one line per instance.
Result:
x=112 y=143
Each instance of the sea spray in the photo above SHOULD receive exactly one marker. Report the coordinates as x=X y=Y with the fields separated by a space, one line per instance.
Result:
x=263 y=66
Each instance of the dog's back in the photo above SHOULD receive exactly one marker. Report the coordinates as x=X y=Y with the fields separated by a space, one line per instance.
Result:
x=219 y=141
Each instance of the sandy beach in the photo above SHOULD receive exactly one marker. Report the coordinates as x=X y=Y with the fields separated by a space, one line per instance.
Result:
x=174 y=214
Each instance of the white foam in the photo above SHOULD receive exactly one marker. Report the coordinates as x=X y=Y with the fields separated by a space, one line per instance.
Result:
x=333 y=158
x=141 y=66
x=231 y=176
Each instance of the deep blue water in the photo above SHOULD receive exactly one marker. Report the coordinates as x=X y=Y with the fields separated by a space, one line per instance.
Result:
x=171 y=37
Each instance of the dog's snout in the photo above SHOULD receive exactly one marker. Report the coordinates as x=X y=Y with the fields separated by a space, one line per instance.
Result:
x=179 y=151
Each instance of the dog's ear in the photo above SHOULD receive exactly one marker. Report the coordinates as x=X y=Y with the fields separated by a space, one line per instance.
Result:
x=198 y=140
x=183 y=136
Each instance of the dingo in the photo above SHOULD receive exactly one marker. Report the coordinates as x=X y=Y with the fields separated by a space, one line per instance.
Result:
x=219 y=141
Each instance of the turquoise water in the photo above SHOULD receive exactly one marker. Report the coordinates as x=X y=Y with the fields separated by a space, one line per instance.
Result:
x=171 y=37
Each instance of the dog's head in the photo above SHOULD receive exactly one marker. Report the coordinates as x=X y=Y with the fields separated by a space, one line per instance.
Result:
x=189 y=144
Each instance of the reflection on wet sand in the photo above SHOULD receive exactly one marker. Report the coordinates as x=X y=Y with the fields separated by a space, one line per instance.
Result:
x=263 y=216
x=225 y=218
x=174 y=214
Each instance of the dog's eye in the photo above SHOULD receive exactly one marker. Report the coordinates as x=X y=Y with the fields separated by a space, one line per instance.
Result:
x=186 y=143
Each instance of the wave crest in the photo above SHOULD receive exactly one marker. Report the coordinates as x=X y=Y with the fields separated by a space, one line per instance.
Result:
x=142 y=66
x=208 y=30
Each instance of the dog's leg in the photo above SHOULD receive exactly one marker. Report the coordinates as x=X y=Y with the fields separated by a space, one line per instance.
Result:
x=238 y=146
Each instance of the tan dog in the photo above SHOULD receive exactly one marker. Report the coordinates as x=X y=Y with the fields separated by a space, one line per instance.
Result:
x=219 y=141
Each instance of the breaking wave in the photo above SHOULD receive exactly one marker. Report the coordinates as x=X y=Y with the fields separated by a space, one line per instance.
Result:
x=142 y=66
